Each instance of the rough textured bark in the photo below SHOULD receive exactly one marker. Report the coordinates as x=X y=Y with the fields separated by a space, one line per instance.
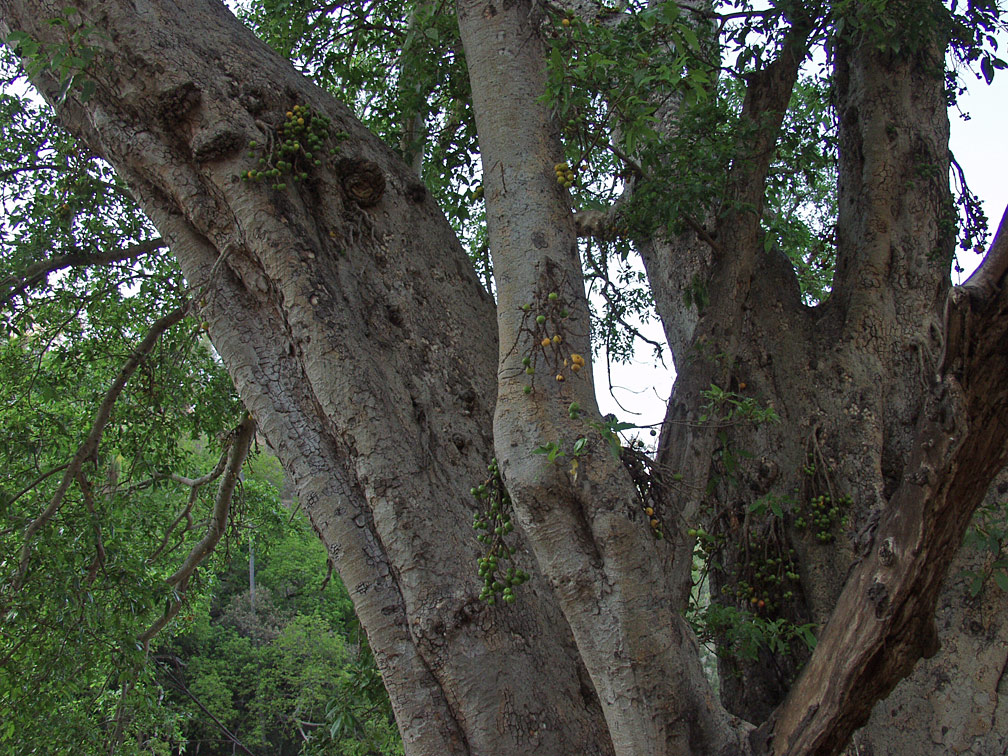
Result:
x=956 y=701
x=584 y=519
x=361 y=340
x=363 y=344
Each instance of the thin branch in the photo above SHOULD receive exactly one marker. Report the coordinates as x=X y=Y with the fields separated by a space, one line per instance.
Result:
x=243 y=437
x=194 y=485
x=99 y=561
x=89 y=449
x=329 y=574
x=18 y=283
x=38 y=480
x=612 y=294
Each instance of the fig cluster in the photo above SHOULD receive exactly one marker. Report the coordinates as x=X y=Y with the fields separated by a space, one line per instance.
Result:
x=492 y=524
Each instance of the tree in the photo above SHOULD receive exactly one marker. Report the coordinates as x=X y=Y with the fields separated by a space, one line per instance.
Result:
x=387 y=378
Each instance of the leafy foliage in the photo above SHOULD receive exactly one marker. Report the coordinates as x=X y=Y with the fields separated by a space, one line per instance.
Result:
x=285 y=672
x=80 y=286
x=989 y=536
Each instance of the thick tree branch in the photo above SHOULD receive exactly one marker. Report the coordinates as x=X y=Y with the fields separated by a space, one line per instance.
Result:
x=16 y=284
x=884 y=620
x=607 y=570
x=725 y=277
x=766 y=101
x=990 y=276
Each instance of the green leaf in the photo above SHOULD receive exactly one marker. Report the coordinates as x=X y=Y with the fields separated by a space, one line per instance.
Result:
x=975 y=585
x=88 y=87
x=690 y=37
x=987 y=69
x=1001 y=580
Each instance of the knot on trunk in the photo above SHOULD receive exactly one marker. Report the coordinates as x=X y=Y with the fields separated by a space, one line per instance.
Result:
x=175 y=103
x=362 y=179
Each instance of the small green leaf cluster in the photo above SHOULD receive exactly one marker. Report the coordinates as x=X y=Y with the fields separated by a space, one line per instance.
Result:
x=552 y=449
x=989 y=535
x=609 y=428
x=493 y=524
x=299 y=145
x=726 y=407
x=742 y=634
x=650 y=51
x=69 y=61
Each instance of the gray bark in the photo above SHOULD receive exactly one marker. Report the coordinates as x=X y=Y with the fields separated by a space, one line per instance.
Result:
x=363 y=344
x=585 y=523
x=361 y=341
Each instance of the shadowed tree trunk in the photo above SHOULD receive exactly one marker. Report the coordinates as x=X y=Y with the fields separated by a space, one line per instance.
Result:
x=385 y=378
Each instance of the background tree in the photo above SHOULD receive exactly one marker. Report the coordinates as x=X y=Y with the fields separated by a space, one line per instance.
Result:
x=827 y=452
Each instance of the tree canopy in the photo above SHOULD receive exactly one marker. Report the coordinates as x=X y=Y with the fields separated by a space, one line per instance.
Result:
x=395 y=243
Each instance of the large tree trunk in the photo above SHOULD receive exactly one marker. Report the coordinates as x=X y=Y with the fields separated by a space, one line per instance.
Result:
x=361 y=340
